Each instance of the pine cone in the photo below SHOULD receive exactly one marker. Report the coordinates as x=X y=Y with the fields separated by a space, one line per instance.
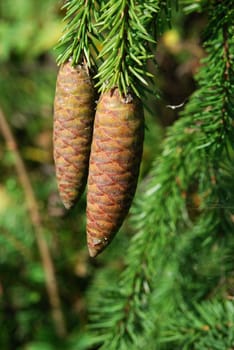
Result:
x=114 y=166
x=72 y=135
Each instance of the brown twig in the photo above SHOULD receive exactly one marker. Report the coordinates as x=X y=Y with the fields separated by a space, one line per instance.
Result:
x=47 y=262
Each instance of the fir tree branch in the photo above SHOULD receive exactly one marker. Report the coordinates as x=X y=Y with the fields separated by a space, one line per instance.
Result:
x=194 y=152
x=128 y=30
x=125 y=48
x=208 y=326
x=78 y=41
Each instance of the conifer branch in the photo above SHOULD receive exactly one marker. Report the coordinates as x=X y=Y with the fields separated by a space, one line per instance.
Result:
x=124 y=30
x=194 y=154
x=78 y=41
x=209 y=326
x=125 y=50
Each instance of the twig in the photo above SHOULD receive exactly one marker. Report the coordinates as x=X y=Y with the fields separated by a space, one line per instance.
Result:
x=46 y=259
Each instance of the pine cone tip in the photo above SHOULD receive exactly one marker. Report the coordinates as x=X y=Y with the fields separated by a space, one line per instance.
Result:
x=68 y=205
x=92 y=252
x=68 y=198
x=96 y=246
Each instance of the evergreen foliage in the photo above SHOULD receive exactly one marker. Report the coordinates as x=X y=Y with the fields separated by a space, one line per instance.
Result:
x=174 y=289
x=122 y=29
x=125 y=49
x=185 y=211
x=208 y=325
x=79 y=32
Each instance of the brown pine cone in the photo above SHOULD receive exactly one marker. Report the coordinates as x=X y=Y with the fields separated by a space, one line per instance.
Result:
x=73 y=124
x=115 y=159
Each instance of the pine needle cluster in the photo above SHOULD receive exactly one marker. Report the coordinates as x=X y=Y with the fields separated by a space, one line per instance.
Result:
x=116 y=39
x=78 y=39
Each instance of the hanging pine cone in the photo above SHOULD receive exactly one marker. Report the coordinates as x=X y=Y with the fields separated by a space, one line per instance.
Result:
x=114 y=166
x=72 y=135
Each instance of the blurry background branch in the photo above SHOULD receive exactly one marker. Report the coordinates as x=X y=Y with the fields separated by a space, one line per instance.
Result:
x=47 y=262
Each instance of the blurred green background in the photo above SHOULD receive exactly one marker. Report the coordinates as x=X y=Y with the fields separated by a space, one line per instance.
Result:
x=29 y=30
